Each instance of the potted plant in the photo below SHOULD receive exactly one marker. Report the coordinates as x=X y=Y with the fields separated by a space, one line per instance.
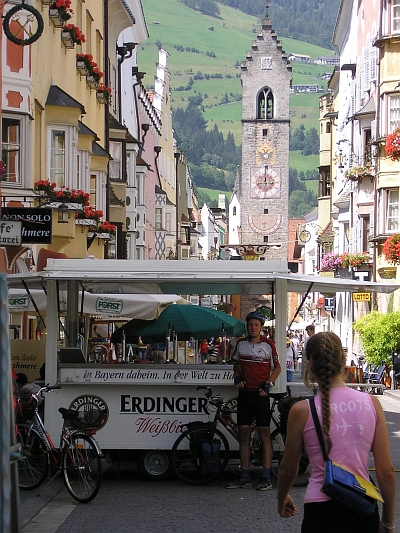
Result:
x=84 y=63
x=103 y=93
x=357 y=173
x=72 y=35
x=63 y=194
x=331 y=262
x=391 y=249
x=392 y=145
x=89 y=216
x=355 y=260
x=59 y=12
x=107 y=228
x=45 y=188
x=94 y=74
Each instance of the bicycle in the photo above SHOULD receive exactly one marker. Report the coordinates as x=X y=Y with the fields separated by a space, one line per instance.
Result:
x=78 y=457
x=197 y=438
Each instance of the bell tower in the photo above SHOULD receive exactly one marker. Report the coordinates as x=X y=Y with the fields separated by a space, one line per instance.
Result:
x=263 y=187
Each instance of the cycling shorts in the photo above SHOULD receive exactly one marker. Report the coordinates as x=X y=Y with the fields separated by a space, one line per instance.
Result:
x=251 y=406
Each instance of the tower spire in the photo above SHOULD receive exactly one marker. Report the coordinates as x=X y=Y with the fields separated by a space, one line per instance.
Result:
x=266 y=11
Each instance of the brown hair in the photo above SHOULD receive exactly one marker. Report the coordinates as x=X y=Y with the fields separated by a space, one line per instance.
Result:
x=326 y=359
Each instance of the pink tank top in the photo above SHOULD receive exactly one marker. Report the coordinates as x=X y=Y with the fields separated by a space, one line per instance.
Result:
x=353 y=422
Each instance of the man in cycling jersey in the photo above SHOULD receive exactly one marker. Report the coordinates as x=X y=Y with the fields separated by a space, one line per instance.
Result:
x=256 y=366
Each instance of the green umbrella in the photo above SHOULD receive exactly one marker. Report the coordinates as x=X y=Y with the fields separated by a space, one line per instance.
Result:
x=187 y=321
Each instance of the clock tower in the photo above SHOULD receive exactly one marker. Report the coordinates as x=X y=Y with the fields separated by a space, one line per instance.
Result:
x=263 y=187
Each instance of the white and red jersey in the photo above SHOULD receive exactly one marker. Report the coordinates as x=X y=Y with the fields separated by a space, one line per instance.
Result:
x=257 y=361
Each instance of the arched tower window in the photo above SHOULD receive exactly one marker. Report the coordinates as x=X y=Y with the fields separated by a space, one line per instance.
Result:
x=265 y=104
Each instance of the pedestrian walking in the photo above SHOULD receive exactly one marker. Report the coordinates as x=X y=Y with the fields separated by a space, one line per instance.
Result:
x=351 y=432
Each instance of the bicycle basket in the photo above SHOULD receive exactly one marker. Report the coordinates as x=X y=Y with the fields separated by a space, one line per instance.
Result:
x=87 y=419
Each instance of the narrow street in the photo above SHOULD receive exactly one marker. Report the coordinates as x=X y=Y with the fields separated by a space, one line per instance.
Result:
x=126 y=503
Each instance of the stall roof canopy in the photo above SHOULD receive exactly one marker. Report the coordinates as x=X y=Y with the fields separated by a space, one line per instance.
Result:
x=116 y=276
x=110 y=307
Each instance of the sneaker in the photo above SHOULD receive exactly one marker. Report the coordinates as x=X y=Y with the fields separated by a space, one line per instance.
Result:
x=264 y=484
x=239 y=484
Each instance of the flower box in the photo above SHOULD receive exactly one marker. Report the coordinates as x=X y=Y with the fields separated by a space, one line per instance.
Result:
x=101 y=97
x=85 y=222
x=91 y=82
x=67 y=40
x=81 y=68
x=55 y=18
x=392 y=145
x=391 y=249
x=358 y=173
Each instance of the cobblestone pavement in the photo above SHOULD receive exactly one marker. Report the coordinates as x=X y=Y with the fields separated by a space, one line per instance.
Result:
x=126 y=503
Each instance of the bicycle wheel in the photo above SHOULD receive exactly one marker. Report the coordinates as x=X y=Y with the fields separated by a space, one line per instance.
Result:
x=34 y=465
x=81 y=466
x=187 y=456
x=278 y=446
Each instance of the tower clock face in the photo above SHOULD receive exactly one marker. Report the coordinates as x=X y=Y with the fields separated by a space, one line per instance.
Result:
x=265 y=183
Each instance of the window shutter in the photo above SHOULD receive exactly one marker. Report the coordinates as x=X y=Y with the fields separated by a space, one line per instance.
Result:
x=373 y=56
x=366 y=63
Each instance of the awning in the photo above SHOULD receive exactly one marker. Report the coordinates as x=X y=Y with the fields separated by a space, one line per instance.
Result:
x=115 y=276
x=111 y=307
x=368 y=109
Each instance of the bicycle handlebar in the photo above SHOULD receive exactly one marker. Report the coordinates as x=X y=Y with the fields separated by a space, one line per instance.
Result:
x=208 y=389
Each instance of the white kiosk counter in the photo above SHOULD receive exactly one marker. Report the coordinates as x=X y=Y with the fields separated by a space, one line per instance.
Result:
x=143 y=405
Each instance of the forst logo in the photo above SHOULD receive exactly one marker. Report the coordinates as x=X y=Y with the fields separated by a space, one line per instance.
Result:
x=18 y=301
x=105 y=304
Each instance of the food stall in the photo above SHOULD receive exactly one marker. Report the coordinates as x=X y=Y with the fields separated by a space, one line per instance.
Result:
x=143 y=405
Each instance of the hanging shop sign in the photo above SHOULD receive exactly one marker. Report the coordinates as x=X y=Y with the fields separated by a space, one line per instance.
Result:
x=36 y=223
x=10 y=233
x=361 y=296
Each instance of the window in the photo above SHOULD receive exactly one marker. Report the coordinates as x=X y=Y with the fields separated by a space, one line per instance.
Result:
x=115 y=165
x=367 y=147
x=265 y=104
x=365 y=233
x=265 y=238
x=392 y=210
x=158 y=219
x=93 y=183
x=393 y=112
x=265 y=211
x=168 y=222
x=11 y=149
x=395 y=16
x=324 y=181
x=140 y=187
x=234 y=210
x=57 y=156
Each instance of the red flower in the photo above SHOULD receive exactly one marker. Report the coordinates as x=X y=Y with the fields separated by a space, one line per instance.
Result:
x=392 y=145
x=391 y=249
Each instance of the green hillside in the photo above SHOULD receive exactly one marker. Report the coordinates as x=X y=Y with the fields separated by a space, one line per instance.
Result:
x=175 y=27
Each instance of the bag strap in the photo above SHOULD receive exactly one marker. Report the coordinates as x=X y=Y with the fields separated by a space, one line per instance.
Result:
x=318 y=428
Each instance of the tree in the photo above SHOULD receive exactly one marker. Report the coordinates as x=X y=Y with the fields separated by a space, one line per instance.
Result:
x=297 y=138
x=311 y=142
x=379 y=336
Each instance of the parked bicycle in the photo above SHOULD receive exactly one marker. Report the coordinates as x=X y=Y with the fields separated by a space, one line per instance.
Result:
x=201 y=453
x=78 y=456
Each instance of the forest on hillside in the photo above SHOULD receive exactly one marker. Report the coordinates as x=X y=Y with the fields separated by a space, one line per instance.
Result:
x=311 y=21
